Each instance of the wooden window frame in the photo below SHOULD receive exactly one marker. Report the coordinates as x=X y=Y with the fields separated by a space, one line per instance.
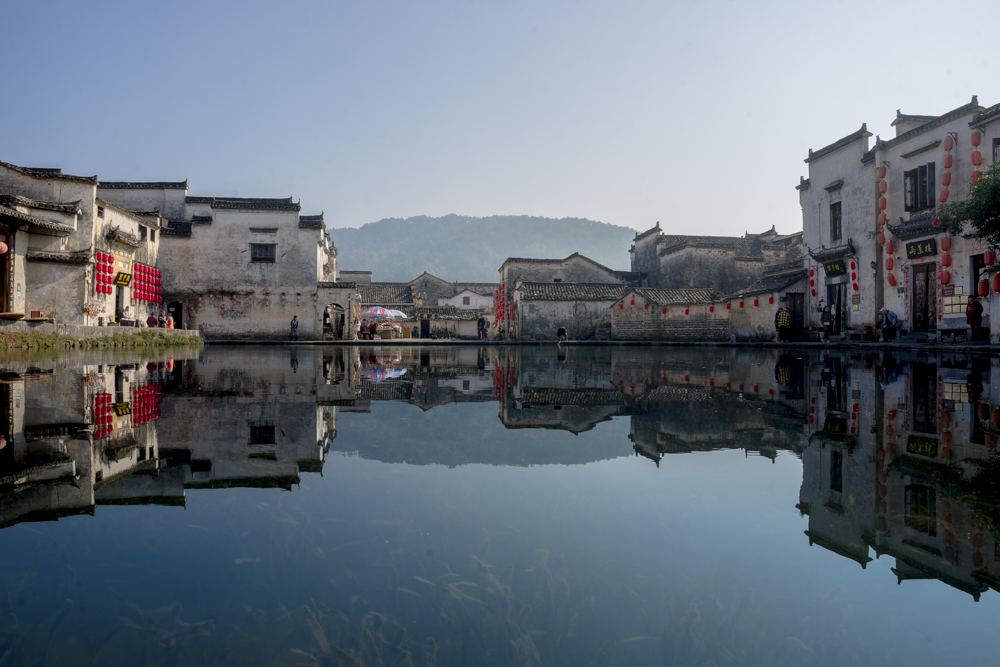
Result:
x=919 y=191
x=258 y=254
x=836 y=221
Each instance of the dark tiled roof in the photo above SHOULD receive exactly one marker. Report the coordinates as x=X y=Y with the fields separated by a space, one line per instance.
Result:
x=840 y=143
x=386 y=294
x=790 y=265
x=144 y=185
x=116 y=234
x=917 y=225
x=935 y=122
x=177 y=228
x=646 y=233
x=246 y=203
x=385 y=391
x=201 y=219
x=263 y=230
x=446 y=313
x=311 y=221
x=37 y=172
x=35 y=223
x=746 y=248
x=772 y=283
x=79 y=257
x=910 y=118
x=338 y=285
x=987 y=116
x=483 y=289
x=670 y=297
x=803 y=183
x=523 y=260
x=559 y=396
x=17 y=200
x=572 y=291
x=631 y=277
x=829 y=254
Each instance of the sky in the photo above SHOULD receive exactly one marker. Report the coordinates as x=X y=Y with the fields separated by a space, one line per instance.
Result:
x=694 y=114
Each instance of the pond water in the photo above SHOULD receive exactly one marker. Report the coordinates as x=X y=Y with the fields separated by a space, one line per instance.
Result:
x=499 y=506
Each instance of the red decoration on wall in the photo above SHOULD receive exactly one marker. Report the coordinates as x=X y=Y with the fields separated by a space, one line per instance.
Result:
x=945 y=277
x=945 y=243
x=631 y=302
x=989 y=257
x=945 y=259
x=947 y=161
x=756 y=303
x=646 y=307
x=977 y=158
x=813 y=292
x=892 y=279
x=889 y=248
x=770 y=300
x=812 y=283
x=943 y=197
x=984 y=287
x=854 y=276
x=946 y=178
x=949 y=142
x=853 y=266
x=977 y=137
x=741 y=303
x=811 y=273
x=881 y=219
x=621 y=306
x=686 y=311
x=888 y=264
x=711 y=309
x=882 y=203
x=728 y=305
x=975 y=177
x=882 y=171
x=856 y=287
x=663 y=311
x=881 y=238
x=883 y=187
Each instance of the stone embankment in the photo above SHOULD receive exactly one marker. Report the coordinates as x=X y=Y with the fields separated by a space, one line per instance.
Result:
x=40 y=335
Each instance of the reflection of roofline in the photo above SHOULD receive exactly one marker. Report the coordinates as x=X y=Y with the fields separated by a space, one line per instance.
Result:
x=266 y=482
x=170 y=501
x=954 y=582
x=830 y=545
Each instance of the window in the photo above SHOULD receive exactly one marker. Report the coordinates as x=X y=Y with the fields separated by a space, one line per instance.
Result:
x=152 y=236
x=921 y=508
x=837 y=471
x=557 y=280
x=142 y=233
x=918 y=188
x=263 y=252
x=100 y=211
x=465 y=301
x=465 y=385
x=835 y=229
x=261 y=435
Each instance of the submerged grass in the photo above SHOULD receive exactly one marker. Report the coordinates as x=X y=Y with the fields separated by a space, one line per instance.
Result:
x=148 y=338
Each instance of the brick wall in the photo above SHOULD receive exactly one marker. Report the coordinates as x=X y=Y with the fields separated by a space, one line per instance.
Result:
x=671 y=329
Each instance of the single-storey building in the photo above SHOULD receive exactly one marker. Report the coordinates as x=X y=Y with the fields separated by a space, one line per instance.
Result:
x=752 y=309
x=650 y=313
x=540 y=309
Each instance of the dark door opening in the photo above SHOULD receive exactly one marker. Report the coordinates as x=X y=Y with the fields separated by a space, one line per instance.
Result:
x=797 y=309
x=425 y=328
x=119 y=302
x=176 y=310
x=836 y=298
x=924 y=308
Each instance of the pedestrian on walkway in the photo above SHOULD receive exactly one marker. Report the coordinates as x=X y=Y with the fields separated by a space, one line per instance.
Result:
x=827 y=320
x=889 y=323
x=294 y=328
x=782 y=324
x=974 y=316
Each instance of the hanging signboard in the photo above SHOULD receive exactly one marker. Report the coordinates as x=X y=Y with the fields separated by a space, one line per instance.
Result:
x=921 y=249
x=835 y=268
x=123 y=279
x=122 y=409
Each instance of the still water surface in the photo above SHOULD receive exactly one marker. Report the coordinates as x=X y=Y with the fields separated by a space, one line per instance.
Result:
x=499 y=506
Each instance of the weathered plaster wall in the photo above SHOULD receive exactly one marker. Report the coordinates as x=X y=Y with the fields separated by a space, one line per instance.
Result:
x=632 y=320
x=710 y=268
x=476 y=301
x=581 y=318
x=168 y=201
x=574 y=270
x=428 y=290
x=645 y=256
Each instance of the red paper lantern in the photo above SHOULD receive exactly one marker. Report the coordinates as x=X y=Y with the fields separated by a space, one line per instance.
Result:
x=881 y=219
x=728 y=305
x=756 y=303
x=853 y=266
x=949 y=142
x=856 y=287
x=888 y=264
x=947 y=161
x=945 y=243
x=883 y=187
x=854 y=276
x=711 y=309
x=621 y=306
x=996 y=282
x=989 y=257
x=646 y=307
x=946 y=178
x=891 y=278
x=812 y=283
x=975 y=177
x=945 y=277
x=811 y=273
x=882 y=171
x=889 y=248
x=881 y=238
x=943 y=197
x=882 y=203
x=946 y=259
x=741 y=303
x=663 y=311
x=813 y=292
x=770 y=300
x=977 y=158
x=686 y=311
x=984 y=287
x=977 y=137
x=631 y=302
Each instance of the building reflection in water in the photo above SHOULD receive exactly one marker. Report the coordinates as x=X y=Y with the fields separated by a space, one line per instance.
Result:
x=897 y=450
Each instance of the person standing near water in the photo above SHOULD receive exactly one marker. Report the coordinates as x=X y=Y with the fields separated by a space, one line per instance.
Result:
x=294 y=328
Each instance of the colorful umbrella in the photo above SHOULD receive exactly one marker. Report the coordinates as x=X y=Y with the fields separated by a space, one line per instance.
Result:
x=398 y=314
x=377 y=312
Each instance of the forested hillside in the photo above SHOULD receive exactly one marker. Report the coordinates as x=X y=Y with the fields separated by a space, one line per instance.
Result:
x=463 y=248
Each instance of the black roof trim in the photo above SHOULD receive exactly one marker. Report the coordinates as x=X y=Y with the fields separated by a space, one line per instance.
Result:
x=840 y=143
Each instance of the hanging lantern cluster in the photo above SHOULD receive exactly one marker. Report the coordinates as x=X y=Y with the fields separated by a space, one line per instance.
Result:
x=104 y=271
x=145 y=404
x=949 y=144
x=977 y=157
x=147 y=283
x=854 y=276
x=103 y=410
x=882 y=184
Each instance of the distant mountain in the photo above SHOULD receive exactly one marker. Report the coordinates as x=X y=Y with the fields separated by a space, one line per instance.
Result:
x=463 y=248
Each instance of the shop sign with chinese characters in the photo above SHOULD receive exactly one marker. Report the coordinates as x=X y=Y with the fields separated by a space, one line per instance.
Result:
x=921 y=249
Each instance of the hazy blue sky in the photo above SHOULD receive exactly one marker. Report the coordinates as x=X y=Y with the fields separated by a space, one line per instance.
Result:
x=697 y=114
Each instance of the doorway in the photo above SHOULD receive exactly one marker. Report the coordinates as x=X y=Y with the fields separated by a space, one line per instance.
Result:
x=176 y=310
x=119 y=302
x=836 y=298
x=797 y=309
x=425 y=328
x=924 y=312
